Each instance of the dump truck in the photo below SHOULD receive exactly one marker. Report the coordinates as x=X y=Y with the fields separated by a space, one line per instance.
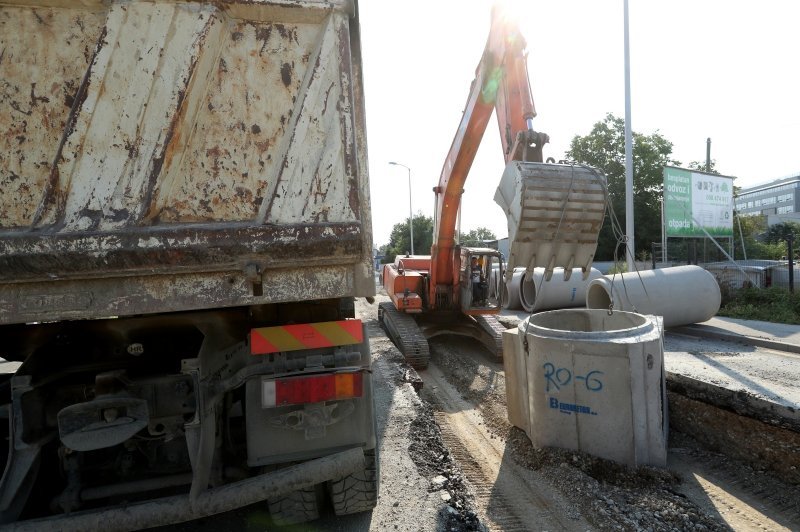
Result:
x=184 y=226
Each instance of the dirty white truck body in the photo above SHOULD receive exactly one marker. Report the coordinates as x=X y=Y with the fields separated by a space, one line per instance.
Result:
x=175 y=175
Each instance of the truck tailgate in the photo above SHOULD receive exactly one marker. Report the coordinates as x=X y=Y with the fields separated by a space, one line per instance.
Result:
x=164 y=156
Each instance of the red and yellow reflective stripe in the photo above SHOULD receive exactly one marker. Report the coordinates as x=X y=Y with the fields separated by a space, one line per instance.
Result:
x=265 y=340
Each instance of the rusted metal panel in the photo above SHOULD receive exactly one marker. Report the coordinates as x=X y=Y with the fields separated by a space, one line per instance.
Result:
x=142 y=138
x=24 y=257
x=44 y=53
x=122 y=296
x=270 y=132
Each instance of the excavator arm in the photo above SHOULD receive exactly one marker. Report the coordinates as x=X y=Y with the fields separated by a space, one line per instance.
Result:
x=555 y=213
x=501 y=84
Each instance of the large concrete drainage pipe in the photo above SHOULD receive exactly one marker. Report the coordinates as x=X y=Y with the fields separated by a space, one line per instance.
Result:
x=512 y=289
x=495 y=280
x=536 y=295
x=682 y=295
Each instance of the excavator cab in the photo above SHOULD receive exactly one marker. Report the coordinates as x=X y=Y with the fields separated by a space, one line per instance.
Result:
x=480 y=274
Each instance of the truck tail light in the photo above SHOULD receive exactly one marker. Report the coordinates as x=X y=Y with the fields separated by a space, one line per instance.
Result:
x=313 y=389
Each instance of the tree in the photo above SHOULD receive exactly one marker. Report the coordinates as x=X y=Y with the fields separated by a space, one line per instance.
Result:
x=382 y=250
x=701 y=166
x=477 y=237
x=604 y=148
x=754 y=232
x=400 y=238
x=778 y=233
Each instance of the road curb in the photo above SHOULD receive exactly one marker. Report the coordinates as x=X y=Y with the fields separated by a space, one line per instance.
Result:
x=706 y=332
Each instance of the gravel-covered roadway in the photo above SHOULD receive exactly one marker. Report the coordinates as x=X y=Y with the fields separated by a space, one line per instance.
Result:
x=489 y=468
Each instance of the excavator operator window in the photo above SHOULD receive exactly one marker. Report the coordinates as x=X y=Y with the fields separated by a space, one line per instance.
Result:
x=480 y=280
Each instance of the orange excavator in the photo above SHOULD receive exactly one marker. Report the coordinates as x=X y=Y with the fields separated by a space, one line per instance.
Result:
x=555 y=213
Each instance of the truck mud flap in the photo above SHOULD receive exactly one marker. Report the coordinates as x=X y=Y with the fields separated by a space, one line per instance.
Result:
x=182 y=508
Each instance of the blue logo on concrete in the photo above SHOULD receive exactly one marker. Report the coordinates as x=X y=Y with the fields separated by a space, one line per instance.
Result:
x=569 y=408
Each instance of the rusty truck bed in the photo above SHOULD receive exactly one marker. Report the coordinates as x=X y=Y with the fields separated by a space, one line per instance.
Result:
x=165 y=156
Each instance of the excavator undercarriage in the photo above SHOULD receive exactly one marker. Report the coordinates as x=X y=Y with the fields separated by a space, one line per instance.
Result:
x=405 y=334
x=411 y=335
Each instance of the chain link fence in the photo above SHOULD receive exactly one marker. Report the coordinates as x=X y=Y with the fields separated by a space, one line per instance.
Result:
x=736 y=274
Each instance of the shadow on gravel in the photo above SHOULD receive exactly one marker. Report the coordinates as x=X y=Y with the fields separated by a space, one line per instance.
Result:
x=433 y=461
x=737 y=376
x=613 y=496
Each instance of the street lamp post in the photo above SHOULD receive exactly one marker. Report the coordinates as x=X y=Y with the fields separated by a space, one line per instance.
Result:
x=410 y=211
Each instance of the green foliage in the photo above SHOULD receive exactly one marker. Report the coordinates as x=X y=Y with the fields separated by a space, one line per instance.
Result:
x=604 y=148
x=618 y=267
x=752 y=225
x=778 y=233
x=400 y=238
x=760 y=250
x=754 y=231
x=477 y=237
x=701 y=166
x=771 y=304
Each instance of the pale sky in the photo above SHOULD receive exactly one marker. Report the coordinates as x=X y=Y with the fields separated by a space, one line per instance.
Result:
x=724 y=69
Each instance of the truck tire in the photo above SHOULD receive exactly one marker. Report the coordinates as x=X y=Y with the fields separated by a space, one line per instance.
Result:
x=5 y=413
x=295 y=507
x=357 y=492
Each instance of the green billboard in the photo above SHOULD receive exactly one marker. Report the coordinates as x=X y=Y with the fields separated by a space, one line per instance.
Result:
x=694 y=201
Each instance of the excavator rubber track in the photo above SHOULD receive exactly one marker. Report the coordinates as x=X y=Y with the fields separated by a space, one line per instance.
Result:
x=406 y=335
x=491 y=334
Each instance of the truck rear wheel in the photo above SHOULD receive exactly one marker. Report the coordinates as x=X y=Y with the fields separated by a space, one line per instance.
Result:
x=357 y=492
x=5 y=414
x=295 y=507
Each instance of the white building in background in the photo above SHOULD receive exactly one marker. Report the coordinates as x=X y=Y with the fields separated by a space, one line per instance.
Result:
x=778 y=200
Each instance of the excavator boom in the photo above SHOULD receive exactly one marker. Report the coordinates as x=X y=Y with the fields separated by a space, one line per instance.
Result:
x=554 y=211
x=501 y=84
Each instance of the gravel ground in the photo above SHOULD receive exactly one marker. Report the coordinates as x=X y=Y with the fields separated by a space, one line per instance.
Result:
x=422 y=488
x=433 y=461
x=608 y=495
x=612 y=496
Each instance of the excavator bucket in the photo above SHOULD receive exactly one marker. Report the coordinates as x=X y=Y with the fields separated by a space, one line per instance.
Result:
x=555 y=212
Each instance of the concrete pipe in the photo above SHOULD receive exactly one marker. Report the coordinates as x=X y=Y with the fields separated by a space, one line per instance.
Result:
x=682 y=295
x=512 y=289
x=591 y=382
x=536 y=294
x=494 y=282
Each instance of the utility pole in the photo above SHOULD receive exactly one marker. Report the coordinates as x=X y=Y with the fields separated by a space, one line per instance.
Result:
x=410 y=211
x=631 y=244
x=790 y=254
